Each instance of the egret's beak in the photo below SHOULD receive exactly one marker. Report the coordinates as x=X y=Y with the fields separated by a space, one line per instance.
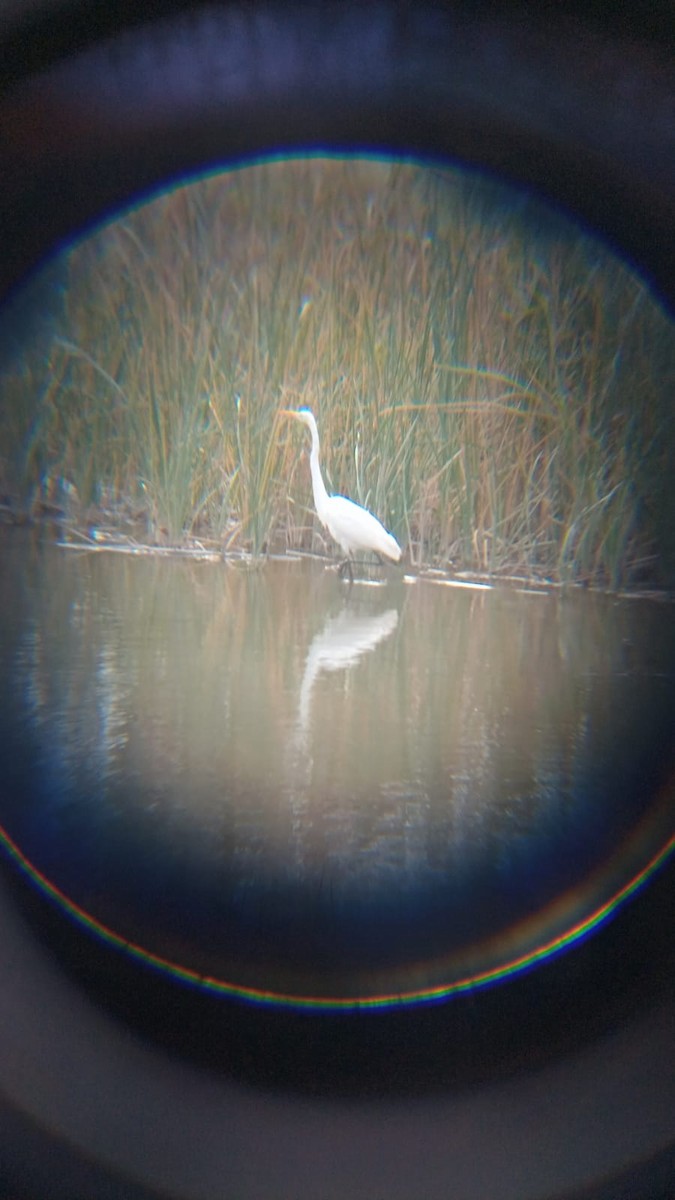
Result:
x=287 y=412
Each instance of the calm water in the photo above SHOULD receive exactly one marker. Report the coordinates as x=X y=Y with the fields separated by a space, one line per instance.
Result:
x=264 y=775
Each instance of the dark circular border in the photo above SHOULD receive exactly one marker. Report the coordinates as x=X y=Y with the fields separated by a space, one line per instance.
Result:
x=575 y=101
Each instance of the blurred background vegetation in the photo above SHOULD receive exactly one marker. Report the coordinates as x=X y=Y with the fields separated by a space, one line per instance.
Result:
x=495 y=385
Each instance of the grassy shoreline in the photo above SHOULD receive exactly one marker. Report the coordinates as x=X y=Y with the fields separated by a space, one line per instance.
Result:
x=103 y=537
x=492 y=383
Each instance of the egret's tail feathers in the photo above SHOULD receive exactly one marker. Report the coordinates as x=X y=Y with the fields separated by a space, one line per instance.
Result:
x=391 y=549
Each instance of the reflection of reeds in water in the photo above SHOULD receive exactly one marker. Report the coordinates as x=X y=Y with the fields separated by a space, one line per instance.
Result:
x=494 y=387
x=167 y=696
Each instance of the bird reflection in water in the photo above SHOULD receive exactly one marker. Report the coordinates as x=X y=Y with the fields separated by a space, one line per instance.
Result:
x=342 y=642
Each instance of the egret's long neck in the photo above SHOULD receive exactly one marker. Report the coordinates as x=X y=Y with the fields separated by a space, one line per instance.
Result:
x=318 y=485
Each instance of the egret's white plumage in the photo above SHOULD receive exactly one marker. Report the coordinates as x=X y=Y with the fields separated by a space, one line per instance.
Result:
x=351 y=526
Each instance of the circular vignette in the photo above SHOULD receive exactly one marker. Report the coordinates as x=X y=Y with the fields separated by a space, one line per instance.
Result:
x=580 y=109
x=576 y=108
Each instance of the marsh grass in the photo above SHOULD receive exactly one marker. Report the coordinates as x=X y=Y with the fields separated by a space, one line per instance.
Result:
x=494 y=385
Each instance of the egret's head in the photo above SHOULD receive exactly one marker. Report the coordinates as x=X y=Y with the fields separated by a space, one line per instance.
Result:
x=301 y=414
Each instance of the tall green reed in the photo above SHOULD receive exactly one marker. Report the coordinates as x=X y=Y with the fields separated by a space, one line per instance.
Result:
x=493 y=384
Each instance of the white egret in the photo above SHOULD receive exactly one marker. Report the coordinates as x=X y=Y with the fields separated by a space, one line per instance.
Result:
x=350 y=525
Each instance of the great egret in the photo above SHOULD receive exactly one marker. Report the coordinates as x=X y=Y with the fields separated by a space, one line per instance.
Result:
x=352 y=527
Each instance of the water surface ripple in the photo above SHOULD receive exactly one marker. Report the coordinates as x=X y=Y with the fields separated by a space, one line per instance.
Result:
x=266 y=777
